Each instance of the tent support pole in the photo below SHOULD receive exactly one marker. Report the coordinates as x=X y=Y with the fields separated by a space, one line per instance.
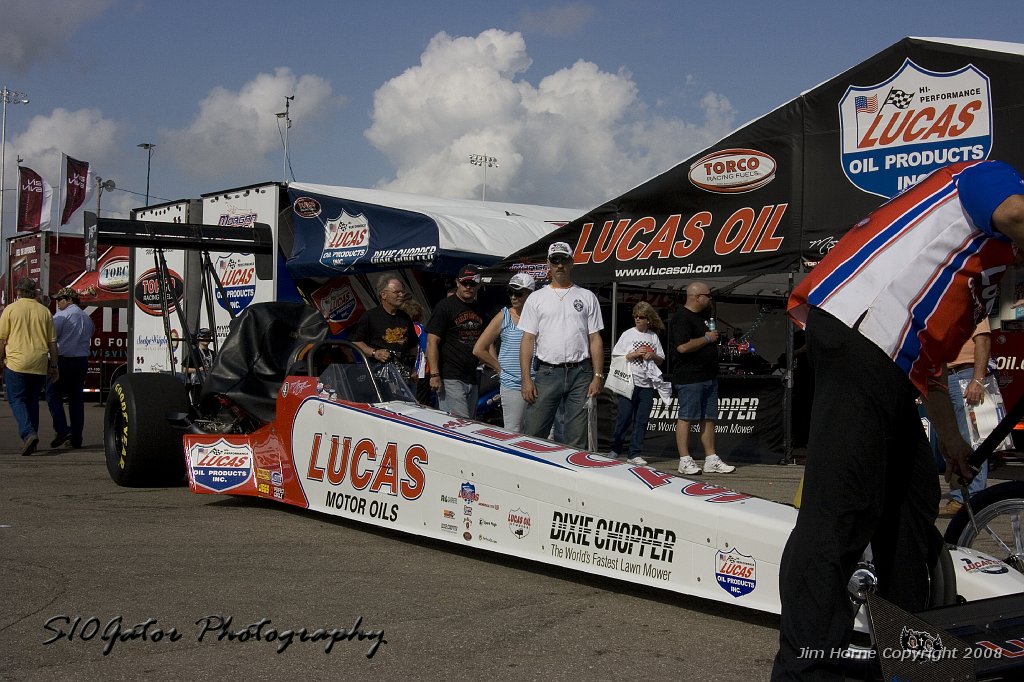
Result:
x=787 y=393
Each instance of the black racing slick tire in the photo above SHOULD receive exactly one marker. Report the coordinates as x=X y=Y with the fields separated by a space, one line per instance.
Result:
x=142 y=448
x=999 y=517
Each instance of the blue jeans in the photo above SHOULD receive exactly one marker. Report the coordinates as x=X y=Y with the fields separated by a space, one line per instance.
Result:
x=698 y=401
x=459 y=398
x=557 y=385
x=635 y=412
x=23 y=396
x=957 y=396
x=70 y=385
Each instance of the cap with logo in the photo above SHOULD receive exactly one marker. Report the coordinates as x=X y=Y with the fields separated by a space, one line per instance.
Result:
x=469 y=273
x=67 y=292
x=559 y=249
x=204 y=334
x=522 y=281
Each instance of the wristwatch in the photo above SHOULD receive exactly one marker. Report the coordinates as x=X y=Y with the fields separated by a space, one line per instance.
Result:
x=598 y=376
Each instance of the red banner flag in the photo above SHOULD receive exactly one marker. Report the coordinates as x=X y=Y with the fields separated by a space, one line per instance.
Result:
x=34 y=197
x=76 y=185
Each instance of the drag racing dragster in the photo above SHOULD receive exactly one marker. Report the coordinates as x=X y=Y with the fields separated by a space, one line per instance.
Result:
x=289 y=415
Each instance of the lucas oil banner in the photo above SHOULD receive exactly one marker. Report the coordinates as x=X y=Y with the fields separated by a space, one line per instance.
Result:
x=335 y=236
x=775 y=195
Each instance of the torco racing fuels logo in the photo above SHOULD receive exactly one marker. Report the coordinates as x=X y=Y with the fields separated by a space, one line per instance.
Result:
x=897 y=131
x=730 y=171
x=346 y=239
x=237 y=273
x=220 y=467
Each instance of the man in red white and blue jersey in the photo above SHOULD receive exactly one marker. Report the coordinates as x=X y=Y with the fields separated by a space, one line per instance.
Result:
x=884 y=311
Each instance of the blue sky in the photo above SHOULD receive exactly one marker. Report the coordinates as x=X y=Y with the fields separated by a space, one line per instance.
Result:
x=579 y=101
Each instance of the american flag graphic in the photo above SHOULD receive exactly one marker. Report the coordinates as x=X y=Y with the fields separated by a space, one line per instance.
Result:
x=866 y=105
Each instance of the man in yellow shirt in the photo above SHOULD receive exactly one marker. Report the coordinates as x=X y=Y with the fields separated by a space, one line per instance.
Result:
x=28 y=352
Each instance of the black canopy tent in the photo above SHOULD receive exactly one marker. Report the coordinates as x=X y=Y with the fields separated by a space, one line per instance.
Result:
x=768 y=200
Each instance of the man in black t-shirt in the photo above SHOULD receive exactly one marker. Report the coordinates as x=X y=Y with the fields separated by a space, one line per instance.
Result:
x=387 y=328
x=452 y=332
x=695 y=379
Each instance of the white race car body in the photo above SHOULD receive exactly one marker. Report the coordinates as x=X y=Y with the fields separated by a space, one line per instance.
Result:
x=421 y=471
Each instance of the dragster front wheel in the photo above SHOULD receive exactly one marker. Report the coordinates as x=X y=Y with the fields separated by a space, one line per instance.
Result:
x=999 y=517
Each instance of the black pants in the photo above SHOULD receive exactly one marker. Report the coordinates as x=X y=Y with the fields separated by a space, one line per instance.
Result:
x=870 y=477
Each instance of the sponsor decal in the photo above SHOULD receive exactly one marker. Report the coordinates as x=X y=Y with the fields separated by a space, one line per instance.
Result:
x=113 y=275
x=921 y=644
x=989 y=566
x=353 y=504
x=736 y=573
x=366 y=466
x=276 y=478
x=412 y=254
x=495 y=507
x=897 y=131
x=306 y=207
x=262 y=474
x=519 y=523
x=731 y=171
x=449 y=528
x=279 y=493
x=346 y=240
x=449 y=499
x=148 y=298
x=284 y=390
x=301 y=385
x=468 y=494
x=237 y=219
x=467 y=536
x=485 y=522
x=220 y=467
x=336 y=303
x=448 y=514
x=484 y=538
x=263 y=488
x=632 y=539
x=237 y=273
x=467 y=511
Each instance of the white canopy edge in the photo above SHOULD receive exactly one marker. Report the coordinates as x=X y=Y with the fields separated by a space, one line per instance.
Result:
x=478 y=227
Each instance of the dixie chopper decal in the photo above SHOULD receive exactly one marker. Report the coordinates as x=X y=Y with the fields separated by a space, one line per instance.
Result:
x=897 y=131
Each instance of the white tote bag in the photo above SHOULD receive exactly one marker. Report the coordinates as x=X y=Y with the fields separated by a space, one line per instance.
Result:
x=620 y=377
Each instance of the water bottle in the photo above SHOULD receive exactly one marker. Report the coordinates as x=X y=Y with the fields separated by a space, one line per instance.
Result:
x=711 y=324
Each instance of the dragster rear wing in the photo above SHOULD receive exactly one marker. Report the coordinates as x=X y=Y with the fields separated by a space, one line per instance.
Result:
x=181 y=236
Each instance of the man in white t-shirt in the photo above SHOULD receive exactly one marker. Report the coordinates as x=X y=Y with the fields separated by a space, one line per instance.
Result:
x=561 y=325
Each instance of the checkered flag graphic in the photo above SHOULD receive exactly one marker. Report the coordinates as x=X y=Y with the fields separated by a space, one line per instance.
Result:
x=899 y=98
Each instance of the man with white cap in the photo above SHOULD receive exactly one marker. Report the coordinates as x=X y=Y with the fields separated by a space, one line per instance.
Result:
x=561 y=325
x=505 y=326
x=452 y=331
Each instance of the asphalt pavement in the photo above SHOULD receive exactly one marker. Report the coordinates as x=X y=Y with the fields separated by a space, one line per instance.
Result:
x=84 y=560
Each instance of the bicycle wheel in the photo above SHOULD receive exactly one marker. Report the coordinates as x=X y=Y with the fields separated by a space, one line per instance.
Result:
x=999 y=516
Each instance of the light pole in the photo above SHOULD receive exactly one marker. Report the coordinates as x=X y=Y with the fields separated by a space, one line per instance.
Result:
x=287 y=125
x=101 y=185
x=149 y=161
x=8 y=97
x=486 y=162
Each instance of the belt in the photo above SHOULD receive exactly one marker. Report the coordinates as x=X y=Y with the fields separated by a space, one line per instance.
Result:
x=961 y=366
x=566 y=365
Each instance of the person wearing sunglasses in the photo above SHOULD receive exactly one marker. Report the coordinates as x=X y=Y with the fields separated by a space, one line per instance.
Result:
x=386 y=332
x=562 y=323
x=452 y=331
x=642 y=347
x=505 y=327
x=695 y=379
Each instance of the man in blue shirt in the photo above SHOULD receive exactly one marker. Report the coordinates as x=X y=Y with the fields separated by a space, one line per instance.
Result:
x=74 y=336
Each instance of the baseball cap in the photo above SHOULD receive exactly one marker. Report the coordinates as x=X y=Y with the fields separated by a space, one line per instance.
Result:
x=470 y=272
x=27 y=286
x=559 y=249
x=522 y=281
x=67 y=292
x=204 y=335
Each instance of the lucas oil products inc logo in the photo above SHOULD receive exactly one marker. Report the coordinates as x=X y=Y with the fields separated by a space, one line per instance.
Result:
x=220 y=467
x=346 y=239
x=237 y=274
x=736 y=573
x=897 y=131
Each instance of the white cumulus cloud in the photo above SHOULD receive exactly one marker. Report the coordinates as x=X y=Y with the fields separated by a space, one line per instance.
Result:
x=579 y=137
x=235 y=130
x=34 y=31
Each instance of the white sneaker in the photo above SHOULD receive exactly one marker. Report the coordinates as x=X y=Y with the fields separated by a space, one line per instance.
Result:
x=715 y=465
x=687 y=467
x=637 y=461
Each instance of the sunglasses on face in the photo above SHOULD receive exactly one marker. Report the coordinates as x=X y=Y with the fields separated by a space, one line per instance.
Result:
x=559 y=260
x=516 y=292
x=639 y=317
x=469 y=284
